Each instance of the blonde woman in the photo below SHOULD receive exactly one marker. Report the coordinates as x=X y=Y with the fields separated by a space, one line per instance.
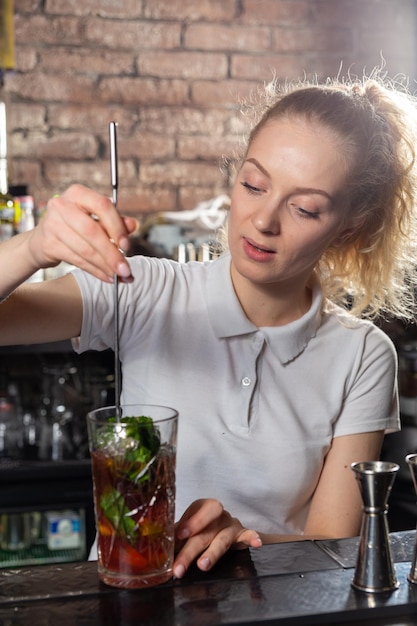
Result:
x=280 y=380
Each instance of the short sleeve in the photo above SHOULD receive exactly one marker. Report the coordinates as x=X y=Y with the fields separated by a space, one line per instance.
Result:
x=371 y=397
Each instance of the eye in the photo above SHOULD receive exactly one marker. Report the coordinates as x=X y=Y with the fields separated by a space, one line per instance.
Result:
x=250 y=188
x=307 y=214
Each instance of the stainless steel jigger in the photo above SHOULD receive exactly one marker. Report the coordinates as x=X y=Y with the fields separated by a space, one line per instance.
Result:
x=412 y=464
x=374 y=568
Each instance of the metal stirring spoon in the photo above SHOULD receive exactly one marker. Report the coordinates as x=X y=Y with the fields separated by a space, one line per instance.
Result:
x=114 y=185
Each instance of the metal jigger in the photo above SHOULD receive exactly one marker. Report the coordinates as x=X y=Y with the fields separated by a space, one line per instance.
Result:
x=412 y=464
x=374 y=568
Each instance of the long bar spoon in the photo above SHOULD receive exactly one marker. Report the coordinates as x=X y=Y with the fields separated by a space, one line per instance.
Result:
x=114 y=186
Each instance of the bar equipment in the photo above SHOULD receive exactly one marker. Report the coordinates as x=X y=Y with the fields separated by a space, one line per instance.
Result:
x=411 y=459
x=114 y=185
x=374 y=571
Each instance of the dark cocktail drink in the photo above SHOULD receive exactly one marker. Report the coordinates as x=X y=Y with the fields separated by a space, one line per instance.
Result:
x=133 y=465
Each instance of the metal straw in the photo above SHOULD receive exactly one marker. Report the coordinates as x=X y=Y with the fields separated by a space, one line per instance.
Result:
x=114 y=185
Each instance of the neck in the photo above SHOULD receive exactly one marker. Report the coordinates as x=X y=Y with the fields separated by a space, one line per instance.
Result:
x=271 y=304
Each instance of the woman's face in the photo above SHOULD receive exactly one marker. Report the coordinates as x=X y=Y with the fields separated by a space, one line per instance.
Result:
x=287 y=203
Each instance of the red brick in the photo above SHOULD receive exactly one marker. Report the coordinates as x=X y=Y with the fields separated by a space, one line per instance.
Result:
x=180 y=173
x=25 y=60
x=27 y=6
x=265 y=67
x=146 y=146
x=86 y=61
x=57 y=146
x=348 y=13
x=174 y=121
x=133 y=35
x=38 y=29
x=207 y=148
x=143 y=91
x=21 y=116
x=93 y=117
x=210 y=36
x=126 y=9
x=145 y=199
x=221 y=93
x=92 y=174
x=24 y=171
x=282 y=12
x=183 y=101
x=183 y=64
x=316 y=39
x=43 y=87
x=191 y=10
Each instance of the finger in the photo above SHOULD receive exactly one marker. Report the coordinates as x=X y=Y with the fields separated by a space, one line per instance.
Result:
x=188 y=554
x=199 y=515
x=86 y=242
x=102 y=207
x=223 y=541
x=248 y=539
x=84 y=264
x=214 y=541
x=131 y=224
x=208 y=545
x=87 y=248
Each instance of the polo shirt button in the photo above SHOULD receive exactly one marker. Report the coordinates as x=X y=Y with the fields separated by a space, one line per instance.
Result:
x=246 y=381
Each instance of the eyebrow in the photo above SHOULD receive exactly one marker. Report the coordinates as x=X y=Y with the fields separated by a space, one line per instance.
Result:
x=311 y=190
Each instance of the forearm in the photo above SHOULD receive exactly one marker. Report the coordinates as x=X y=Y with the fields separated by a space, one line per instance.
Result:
x=17 y=263
x=42 y=312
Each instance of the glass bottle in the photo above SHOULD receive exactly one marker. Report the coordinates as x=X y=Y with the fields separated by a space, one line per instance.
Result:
x=9 y=207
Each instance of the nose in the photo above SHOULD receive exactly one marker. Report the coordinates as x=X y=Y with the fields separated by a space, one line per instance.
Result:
x=267 y=219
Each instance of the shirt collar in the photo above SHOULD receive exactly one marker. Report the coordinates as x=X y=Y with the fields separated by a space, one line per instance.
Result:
x=228 y=319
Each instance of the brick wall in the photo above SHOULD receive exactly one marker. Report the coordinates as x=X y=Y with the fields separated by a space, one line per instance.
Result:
x=171 y=73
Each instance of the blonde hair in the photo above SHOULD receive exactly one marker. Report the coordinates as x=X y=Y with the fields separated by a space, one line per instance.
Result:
x=374 y=272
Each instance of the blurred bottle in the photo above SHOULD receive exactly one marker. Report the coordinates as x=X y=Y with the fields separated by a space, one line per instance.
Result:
x=15 y=531
x=30 y=437
x=9 y=207
x=11 y=439
x=27 y=213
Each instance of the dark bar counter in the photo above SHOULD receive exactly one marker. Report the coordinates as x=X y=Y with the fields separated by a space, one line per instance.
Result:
x=304 y=583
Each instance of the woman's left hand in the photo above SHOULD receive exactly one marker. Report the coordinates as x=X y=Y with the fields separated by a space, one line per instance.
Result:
x=205 y=532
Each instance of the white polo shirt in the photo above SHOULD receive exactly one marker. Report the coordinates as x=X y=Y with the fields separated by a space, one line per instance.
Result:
x=258 y=406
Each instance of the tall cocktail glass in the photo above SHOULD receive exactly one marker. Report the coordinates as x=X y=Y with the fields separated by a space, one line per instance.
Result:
x=133 y=467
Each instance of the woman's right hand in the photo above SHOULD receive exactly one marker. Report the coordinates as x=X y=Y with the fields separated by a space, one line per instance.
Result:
x=83 y=228
x=205 y=532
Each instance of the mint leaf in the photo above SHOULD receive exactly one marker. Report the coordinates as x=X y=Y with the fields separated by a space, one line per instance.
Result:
x=115 y=509
x=142 y=431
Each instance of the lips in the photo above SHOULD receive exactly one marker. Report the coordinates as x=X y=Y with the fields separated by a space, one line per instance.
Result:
x=257 y=251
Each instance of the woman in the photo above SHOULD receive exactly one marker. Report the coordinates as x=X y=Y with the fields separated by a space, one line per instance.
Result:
x=279 y=388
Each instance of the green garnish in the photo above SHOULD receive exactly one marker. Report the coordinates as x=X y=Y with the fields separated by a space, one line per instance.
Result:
x=132 y=452
x=142 y=432
x=117 y=512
